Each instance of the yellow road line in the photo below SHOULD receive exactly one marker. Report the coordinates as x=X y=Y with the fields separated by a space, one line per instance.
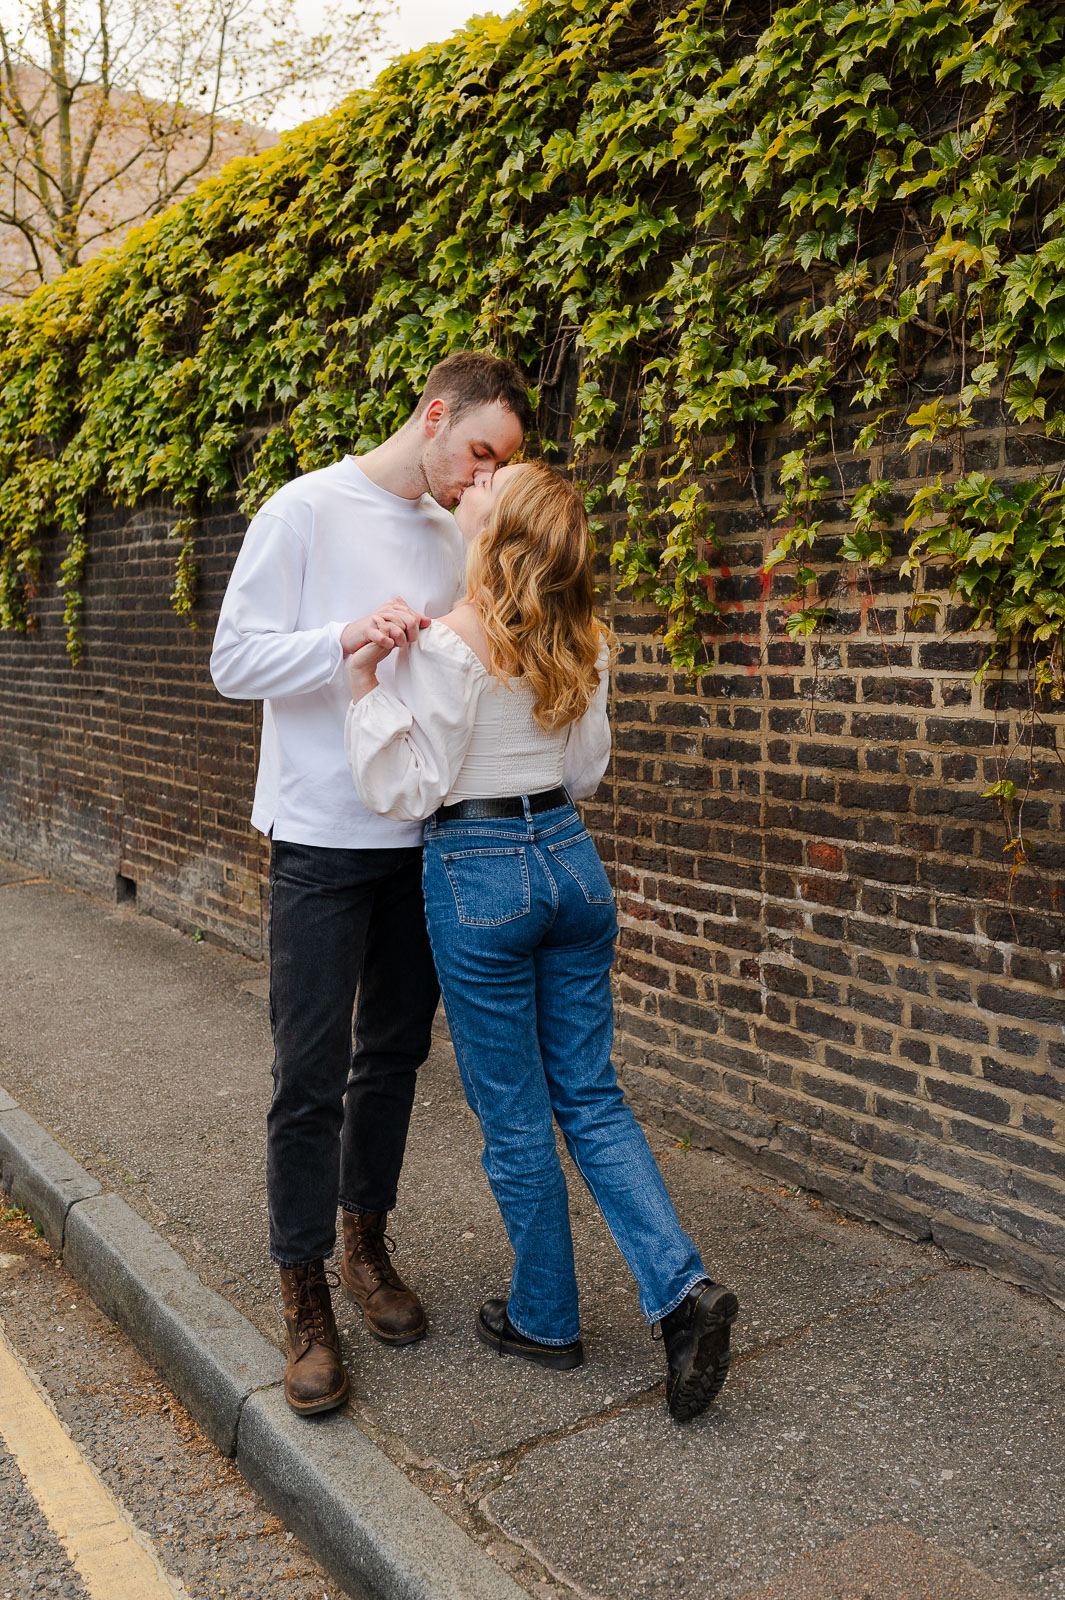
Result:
x=114 y=1560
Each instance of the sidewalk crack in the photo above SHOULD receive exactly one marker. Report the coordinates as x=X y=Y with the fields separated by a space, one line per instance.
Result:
x=846 y=1310
x=497 y=1466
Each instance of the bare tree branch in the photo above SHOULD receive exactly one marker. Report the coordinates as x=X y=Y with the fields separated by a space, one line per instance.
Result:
x=111 y=109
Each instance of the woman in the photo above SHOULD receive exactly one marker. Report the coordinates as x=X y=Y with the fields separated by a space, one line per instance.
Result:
x=498 y=717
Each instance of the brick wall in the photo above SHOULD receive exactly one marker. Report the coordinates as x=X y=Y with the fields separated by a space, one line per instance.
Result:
x=826 y=967
x=130 y=773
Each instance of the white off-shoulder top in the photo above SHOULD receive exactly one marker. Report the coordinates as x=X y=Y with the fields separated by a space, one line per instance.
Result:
x=449 y=731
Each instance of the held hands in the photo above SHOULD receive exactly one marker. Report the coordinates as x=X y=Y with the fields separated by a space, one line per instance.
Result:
x=367 y=642
x=391 y=624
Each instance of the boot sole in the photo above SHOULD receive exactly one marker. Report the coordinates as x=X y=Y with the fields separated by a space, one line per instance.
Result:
x=394 y=1338
x=564 y=1361
x=696 y=1388
x=410 y=1337
x=309 y=1408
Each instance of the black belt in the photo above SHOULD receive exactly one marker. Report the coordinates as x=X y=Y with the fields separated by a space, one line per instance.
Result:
x=509 y=806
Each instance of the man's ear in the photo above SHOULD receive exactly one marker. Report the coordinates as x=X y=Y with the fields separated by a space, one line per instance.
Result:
x=434 y=417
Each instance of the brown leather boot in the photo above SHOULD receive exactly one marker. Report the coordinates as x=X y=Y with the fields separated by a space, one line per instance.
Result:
x=315 y=1379
x=392 y=1311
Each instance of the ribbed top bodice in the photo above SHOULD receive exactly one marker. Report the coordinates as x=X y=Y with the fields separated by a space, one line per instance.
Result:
x=451 y=731
x=509 y=753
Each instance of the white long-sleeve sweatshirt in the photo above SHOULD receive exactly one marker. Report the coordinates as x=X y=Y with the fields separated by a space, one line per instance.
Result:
x=448 y=730
x=324 y=550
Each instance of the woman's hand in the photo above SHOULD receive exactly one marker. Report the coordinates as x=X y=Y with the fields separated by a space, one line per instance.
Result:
x=366 y=643
x=362 y=667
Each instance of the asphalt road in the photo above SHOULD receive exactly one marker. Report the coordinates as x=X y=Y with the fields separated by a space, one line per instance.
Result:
x=212 y=1534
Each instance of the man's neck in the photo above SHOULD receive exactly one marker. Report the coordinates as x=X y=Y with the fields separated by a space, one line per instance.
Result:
x=395 y=466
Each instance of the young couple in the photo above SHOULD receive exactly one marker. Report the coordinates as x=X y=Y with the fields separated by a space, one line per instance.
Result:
x=416 y=778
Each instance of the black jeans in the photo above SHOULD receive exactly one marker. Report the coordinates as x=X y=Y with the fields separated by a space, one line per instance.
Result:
x=342 y=920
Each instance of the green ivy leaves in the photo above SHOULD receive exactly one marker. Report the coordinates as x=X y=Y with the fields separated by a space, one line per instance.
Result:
x=720 y=229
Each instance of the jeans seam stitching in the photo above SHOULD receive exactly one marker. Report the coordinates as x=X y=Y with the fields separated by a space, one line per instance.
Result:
x=555 y=1344
x=489 y=922
x=699 y=1278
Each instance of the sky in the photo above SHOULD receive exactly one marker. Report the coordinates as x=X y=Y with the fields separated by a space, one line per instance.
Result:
x=412 y=23
x=418 y=22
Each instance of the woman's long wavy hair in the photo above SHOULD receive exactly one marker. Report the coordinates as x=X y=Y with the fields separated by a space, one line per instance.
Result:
x=529 y=576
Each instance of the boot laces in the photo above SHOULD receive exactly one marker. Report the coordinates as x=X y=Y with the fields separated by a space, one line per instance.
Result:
x=374 y=1248
x=309 y=1304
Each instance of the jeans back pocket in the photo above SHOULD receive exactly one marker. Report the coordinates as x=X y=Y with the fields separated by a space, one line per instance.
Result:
x=490 y=886
x=580 y=858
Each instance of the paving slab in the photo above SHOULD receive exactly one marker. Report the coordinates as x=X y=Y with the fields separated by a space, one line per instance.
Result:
x=868 y=1367
x=789 y=1266
x=937 y=1407
x=885 y=1563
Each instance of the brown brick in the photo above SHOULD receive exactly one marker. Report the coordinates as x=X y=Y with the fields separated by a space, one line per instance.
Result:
x=818 y=957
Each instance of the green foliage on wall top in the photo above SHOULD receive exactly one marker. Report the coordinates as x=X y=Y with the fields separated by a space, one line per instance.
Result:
x=721 y=217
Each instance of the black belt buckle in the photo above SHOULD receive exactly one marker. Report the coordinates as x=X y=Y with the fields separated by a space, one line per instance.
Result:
x=505 y=806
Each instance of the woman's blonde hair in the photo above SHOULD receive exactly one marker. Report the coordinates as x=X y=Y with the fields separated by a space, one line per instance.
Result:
x=529 y=576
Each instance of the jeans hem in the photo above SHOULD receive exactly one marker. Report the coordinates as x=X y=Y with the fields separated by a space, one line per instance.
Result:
x=366 y=1211
x=294 y=1266
x=538 y=1338
x=653 y=1317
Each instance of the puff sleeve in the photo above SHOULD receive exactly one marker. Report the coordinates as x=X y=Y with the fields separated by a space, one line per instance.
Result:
x=588 y=746
x=405 y=749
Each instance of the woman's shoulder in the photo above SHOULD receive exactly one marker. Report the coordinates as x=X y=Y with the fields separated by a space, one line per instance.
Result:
x=459 y=632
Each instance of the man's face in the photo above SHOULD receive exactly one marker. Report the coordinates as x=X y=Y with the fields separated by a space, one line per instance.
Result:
x=458 y=454
x=475 y=507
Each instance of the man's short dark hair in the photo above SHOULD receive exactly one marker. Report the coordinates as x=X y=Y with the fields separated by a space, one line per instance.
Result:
x=469 y=378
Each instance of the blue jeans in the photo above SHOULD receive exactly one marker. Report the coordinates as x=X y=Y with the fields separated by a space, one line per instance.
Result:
x=522 y=923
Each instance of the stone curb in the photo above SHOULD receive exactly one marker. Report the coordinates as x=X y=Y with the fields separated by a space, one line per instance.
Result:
x=357 y=1512
x=208 y=1353
x=338 y=1491
x=39 y=1175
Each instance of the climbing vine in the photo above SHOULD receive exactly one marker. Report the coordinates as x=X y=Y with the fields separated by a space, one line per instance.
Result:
x=690 y=223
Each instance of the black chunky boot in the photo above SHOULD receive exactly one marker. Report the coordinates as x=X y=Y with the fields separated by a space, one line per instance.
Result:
x=696 y=1336
x=495 y=1328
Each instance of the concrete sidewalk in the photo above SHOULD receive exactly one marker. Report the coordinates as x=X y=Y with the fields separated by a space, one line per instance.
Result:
x=894 y=1423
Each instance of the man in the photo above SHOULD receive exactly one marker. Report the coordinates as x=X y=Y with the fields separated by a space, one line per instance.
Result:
x=345 y=886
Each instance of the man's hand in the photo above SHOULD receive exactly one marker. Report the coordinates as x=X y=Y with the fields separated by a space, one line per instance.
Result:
x=390 y=625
